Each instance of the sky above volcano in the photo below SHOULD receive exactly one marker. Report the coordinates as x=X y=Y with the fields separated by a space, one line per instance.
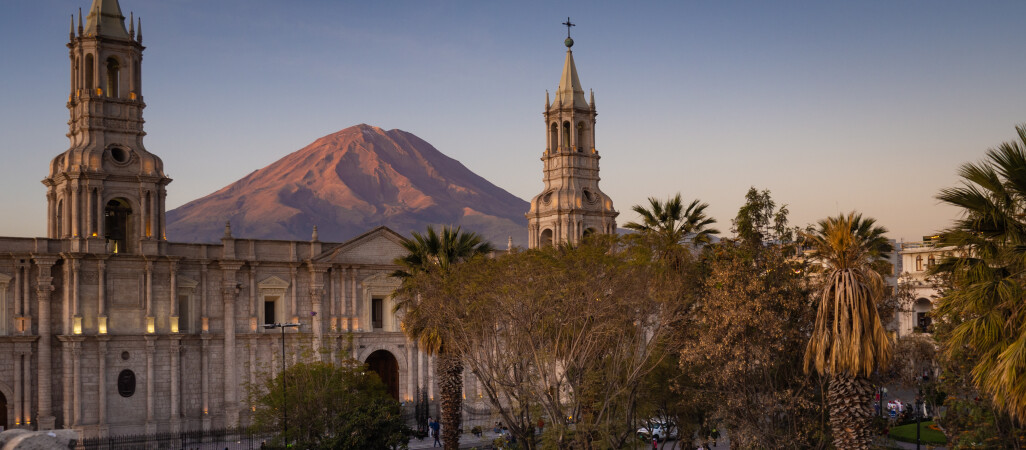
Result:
x=832 y=106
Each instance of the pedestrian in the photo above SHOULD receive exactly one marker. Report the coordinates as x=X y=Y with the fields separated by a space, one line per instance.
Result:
x=655 y=444
x=435 y=429
x=715 y=436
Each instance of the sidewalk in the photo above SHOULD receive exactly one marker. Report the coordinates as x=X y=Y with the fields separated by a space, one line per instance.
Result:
x=466 y=441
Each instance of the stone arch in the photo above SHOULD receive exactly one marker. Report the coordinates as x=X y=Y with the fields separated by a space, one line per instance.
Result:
x=113 y=73
x=89 y=84
x=7 y=413
x=386 y=365
x=581 y=138
x=921 y=311
x=553 y=137
x=546 y=238
x=118 y=224
x=566 y=134
x=402 y=364
x=589 y=231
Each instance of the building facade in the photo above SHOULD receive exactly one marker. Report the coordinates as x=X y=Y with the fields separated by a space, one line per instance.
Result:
x=106 y=327
x=571 y=206
x=917 y=258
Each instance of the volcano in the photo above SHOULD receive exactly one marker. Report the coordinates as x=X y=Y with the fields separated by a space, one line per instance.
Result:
x=349 y=182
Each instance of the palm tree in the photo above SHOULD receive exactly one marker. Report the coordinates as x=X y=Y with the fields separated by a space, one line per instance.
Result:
x=439 y=252
x=674 y=226
x=848 y=340
x=985 y=305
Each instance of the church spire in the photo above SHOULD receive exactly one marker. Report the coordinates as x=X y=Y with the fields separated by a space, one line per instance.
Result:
x=570 y=91
x=105 y=19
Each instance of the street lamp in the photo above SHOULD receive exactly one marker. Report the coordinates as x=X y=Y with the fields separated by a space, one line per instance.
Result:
x=284 y=398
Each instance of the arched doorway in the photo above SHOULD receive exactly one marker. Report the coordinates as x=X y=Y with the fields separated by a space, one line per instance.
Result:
x=3 y=413
x=116 y=225
x=384 y=364
x=546 y=238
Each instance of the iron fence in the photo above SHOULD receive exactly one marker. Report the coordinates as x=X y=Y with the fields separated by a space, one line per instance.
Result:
x=225 y=438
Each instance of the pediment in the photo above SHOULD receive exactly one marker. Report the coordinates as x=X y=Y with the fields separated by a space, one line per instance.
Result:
x=380 y=246
x=381 y=280
x=273 y=282
x=186 y=283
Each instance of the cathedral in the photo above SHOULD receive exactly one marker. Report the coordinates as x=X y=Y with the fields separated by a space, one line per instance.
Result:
x=106 y=327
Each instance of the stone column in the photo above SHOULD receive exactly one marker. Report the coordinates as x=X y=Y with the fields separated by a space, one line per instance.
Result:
x=174 y=351
x=354 y=311
x=151 y=343
x=150 y=320
x=76 y=392
x=253 y=304
x=88 y=211
x=67 y=374
x=99 y=212
x=173 y=320
x=293 y=308
x=317 y=271
x=205 y=317
x=26 y=407
x=18 y=357
x=205 y=379
x=101 y=383
x=76 y=309
x=101 y=295
x=76 y=217
x=44 y=289
x=411 y=376
x=229 y=293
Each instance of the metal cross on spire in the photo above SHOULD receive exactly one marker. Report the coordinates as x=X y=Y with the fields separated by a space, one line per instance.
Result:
x=568 y=25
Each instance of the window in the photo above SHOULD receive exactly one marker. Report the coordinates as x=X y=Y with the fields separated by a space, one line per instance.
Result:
x=553 y=138
x=183 y=313
x=931 y=261
x=580 y=136
x=270 y=310
x=113 y=72
x=377 y=315
x=116 y=225
x=919 y=263
x=923 y=321
x=566 y=135
x=126 y=383
x=89 y=73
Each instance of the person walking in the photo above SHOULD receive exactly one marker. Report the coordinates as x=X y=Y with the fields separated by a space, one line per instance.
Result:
x=435 y=428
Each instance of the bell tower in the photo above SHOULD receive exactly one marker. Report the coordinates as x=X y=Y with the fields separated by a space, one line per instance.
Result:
x=571 y=206
x=106 y=192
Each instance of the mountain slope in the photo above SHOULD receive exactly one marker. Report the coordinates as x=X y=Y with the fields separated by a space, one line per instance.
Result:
x=348 y=182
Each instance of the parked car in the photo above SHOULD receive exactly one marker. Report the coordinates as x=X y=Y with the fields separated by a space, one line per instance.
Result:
x=658 y=430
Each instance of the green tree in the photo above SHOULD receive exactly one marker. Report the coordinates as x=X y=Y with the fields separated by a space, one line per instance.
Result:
x=330 y=406
x=758 y=222
x=674 y=224
x=986 y=302
x=848 y=342
x=567 y=331
x=438 y=252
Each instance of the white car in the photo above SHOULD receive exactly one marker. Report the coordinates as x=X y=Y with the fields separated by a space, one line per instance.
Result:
x=657 y=430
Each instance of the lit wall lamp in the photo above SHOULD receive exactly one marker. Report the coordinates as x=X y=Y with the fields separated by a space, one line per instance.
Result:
x=151 y=326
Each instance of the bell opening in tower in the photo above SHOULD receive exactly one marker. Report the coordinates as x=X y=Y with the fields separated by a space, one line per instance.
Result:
x=113 y=72
x=116 y=225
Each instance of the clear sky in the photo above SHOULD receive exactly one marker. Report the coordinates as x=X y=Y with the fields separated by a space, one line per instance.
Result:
x=832 y=106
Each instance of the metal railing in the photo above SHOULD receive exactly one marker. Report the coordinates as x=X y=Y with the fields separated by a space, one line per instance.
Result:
x=225 y=438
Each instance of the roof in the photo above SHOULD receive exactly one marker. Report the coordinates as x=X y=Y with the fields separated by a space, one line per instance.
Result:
x=109 y=23
x=570 y=89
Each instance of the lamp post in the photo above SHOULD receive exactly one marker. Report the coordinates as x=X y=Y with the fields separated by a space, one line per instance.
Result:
x=284 y=397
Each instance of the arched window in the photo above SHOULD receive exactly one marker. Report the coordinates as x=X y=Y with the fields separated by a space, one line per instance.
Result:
x=919 y=263
x=580 y=137
x=930 y=261
x=113 y=72
x=566 y=135
x=89 y=73
x=546 y=238
x=117 y=224
x=554 y=138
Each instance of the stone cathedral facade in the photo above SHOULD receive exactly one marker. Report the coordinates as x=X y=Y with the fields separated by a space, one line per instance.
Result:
x=106 y=327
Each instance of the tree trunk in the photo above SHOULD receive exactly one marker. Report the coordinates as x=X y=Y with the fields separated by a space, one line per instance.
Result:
x=850 y=411
x=450 y=386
